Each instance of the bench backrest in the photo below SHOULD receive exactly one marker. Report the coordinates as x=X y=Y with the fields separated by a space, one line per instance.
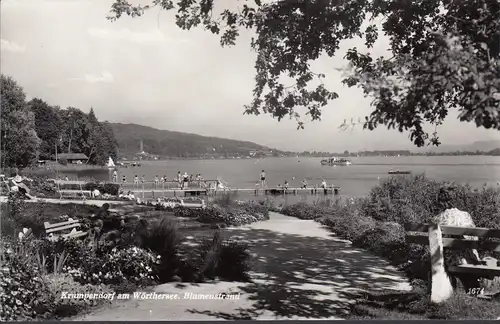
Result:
x=65 y=229
x=189 y=204
x=418 y=233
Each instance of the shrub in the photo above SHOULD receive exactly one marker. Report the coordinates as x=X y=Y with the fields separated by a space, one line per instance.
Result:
x=63 y=161
x=224 y=201
x=238 y=217
x=111 y=189
x=349 y=227
x=414 y=199
x=113 y=267
x=382 y=239
x=104 y=188
x=163 y=239
x=23 y=290
x=16 y=205
x=42 y=186
x=213 y=257
x=233 y=262
x=232 y=216
x=304 y=211
x=256 y=209
x=18 y=216
x=270 y=204
x=49 y=252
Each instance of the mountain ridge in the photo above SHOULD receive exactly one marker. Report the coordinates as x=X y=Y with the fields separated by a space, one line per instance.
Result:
x=484 y=146
x=168 y=143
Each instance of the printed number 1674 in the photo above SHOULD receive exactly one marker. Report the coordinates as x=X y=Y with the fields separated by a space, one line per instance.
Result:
x=475 y=291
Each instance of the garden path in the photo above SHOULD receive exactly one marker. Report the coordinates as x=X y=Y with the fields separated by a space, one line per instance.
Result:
x=95 y=202
x=300 y=271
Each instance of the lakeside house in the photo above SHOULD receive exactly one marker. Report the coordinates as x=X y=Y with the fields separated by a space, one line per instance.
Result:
x=73 y=158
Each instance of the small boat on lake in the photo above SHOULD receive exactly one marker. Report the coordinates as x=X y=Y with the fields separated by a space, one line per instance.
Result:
x=335 y=161
x=111 y=164
x=399 y=172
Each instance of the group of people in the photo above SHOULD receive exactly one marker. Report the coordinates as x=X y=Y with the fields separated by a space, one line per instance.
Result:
x=286 y=185
x=184 y=180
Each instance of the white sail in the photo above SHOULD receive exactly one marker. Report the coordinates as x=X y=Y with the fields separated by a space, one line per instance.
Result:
x=111 y=164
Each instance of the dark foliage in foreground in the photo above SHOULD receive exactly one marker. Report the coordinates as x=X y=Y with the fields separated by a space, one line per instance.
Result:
x=217 y=258
x=449 y=60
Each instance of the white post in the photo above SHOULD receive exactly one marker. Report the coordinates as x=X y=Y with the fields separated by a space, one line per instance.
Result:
x=441 y=285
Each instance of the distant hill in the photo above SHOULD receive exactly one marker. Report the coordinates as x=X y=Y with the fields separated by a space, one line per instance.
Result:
x=166 y=143
x=483 y=146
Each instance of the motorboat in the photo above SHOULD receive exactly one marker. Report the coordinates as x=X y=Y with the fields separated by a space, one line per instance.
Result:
x=335 y=161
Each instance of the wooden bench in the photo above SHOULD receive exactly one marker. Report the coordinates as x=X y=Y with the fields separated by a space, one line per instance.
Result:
x=195 y=205
x=69 y=193
x=419 y=234
x=57 y=230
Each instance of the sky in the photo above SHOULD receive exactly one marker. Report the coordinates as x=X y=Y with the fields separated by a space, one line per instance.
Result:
x=148 y=71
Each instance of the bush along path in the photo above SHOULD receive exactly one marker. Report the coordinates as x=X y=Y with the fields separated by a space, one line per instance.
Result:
x=299 y=271
x=376 y=224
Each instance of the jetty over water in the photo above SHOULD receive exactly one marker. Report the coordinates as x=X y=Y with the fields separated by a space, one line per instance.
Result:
x=208 y=188
x=256 y=192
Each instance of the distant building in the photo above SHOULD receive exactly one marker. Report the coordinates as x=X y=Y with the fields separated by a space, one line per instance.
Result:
x=73 y=158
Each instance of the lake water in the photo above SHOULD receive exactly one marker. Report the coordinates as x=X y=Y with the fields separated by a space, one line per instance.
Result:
x=355 y=179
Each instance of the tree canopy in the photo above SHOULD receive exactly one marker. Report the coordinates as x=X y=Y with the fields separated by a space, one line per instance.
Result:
x=444 y=55
x=35 y=129
x=18 y=138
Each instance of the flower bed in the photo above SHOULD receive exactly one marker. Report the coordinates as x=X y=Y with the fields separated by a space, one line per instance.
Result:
x=134 y=253
x=236 y=214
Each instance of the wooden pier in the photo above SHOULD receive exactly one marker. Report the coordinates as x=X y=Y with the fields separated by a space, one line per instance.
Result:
x=256 y=192
x=172 y=188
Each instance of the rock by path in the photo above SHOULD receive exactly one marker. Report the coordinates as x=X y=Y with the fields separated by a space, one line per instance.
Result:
x=300 y=271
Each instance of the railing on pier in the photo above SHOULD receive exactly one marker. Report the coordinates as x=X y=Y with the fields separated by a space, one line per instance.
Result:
x=205 y=188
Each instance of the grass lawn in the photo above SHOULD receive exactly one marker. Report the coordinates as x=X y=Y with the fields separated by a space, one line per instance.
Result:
x=416 y=305
x=52 y=211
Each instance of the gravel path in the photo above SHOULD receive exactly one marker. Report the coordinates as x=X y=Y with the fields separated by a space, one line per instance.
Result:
x=300 y=270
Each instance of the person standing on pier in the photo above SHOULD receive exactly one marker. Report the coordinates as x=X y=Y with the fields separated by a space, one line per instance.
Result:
x=179 y=179
x=115 y=176
x=324 y=186
x=136 y=181
x=185 y=182
x=156 y=181
x=263 y=179
x=304 y=184
x=124 y=179
x=285 y=186
x=143 y=179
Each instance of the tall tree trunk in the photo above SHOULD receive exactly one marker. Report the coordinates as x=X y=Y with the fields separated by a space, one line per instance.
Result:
x=90 y=154
x=70 y=138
